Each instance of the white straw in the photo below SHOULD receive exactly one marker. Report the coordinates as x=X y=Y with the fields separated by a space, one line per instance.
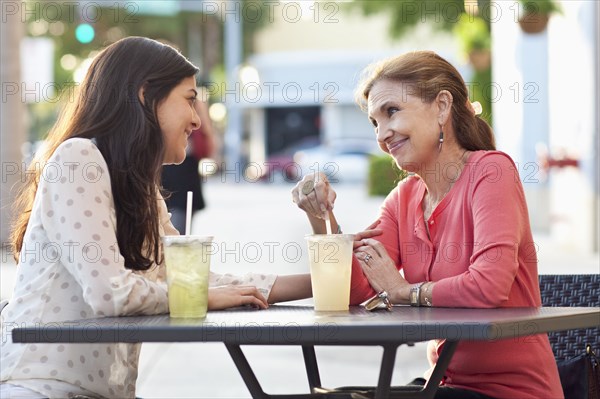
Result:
x=188 y=213
x=327 y=221
x=328 y=225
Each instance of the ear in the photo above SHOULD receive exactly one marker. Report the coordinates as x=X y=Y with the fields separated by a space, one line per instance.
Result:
x=444 y=101
x=141 y=94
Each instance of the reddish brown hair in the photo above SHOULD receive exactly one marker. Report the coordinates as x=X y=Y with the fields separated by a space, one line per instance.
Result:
x=427 y=74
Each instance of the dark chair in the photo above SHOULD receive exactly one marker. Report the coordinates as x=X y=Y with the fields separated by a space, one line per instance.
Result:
x=571 y=290
x=579 y=290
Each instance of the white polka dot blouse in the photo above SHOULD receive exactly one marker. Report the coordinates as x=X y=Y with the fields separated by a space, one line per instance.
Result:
x=70 y=268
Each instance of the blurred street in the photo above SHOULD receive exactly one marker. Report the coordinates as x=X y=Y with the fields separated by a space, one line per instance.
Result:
x=258 y=228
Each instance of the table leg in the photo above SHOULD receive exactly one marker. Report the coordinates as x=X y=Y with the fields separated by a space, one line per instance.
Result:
x=251 y=381
x=246 y=372
x=440 y=369
x=312 y=368
x=386 y=371
x=431 y=387
x=385 y=375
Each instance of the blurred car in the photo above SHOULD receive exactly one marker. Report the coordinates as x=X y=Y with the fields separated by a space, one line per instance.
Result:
x=280 y=166
x=345 y=160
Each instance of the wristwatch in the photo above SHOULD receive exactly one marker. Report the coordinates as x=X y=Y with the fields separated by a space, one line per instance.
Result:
x=415 y=294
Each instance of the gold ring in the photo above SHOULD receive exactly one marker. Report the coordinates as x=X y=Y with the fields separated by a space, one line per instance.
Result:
x=308 y=187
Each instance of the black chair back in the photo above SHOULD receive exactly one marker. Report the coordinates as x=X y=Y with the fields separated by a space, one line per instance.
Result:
x=571 y=290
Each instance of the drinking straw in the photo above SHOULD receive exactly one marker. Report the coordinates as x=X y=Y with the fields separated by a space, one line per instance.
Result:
x=328 y=224
x=188 y=213
x=327 y=221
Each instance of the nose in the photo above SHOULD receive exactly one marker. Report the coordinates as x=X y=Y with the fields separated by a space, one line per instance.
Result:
x=196 y=123
x=384 y=134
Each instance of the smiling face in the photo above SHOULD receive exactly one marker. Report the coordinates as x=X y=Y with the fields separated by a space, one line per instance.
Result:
x=407 y=128
x=177 y=118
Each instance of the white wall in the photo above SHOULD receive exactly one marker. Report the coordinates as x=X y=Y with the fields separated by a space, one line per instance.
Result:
x=573 y=101
x=335 y=26
x=554 y=74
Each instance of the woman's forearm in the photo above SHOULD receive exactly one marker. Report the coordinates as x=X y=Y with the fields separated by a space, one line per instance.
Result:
x=291 y=288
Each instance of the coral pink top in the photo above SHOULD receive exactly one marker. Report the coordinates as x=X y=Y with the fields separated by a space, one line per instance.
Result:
x=481 y=254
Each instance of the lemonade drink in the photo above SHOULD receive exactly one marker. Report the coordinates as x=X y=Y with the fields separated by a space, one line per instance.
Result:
x=330 y=270
x=188 y=265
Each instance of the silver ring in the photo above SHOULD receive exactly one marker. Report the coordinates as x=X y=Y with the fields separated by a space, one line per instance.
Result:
x=368 y=257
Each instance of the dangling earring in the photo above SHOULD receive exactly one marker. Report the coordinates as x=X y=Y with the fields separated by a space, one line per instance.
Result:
x=441 y=140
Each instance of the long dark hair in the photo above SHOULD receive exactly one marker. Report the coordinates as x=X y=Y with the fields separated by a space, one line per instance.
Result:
x=428 y=73
x=108 y=109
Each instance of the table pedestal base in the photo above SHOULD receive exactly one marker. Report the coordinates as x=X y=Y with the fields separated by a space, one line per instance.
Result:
x=383 y=389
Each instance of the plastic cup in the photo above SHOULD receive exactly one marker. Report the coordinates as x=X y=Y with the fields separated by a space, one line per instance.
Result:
x=330 y=258
x=187 y=260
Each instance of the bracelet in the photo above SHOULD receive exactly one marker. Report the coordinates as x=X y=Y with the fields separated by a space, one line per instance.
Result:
x=339 y=230
x=427 y=294
x=415 y=294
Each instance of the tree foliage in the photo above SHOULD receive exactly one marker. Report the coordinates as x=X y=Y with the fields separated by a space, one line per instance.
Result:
x=470 y=25
x=405 y=14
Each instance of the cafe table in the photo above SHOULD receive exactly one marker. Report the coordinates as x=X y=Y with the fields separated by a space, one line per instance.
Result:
x=302 y=326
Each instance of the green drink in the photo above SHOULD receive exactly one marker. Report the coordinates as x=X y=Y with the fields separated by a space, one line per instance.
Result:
x=187 y=260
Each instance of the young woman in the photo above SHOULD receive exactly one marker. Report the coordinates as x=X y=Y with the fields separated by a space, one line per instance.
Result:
x=91 y=216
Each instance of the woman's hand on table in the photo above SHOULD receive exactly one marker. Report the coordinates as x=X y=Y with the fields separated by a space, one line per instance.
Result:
x=314 y=195
x=230 y=296
x=381 y=270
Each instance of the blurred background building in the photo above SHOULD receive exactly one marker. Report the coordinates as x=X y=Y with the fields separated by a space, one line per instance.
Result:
x=281 y=75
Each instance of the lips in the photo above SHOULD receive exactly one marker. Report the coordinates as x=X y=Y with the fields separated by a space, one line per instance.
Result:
x=396 y=145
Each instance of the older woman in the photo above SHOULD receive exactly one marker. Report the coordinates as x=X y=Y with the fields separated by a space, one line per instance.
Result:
x=458 y=227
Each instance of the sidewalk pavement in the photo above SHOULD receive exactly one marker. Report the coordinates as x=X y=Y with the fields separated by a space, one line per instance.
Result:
x=258 y=228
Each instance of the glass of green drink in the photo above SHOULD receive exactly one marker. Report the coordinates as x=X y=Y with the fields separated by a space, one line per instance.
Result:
x=187 y=260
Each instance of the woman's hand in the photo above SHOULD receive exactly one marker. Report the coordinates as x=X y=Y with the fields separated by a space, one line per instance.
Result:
x=230 y=296
x=314 y=195
x=381 y=270
x=369 y=232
